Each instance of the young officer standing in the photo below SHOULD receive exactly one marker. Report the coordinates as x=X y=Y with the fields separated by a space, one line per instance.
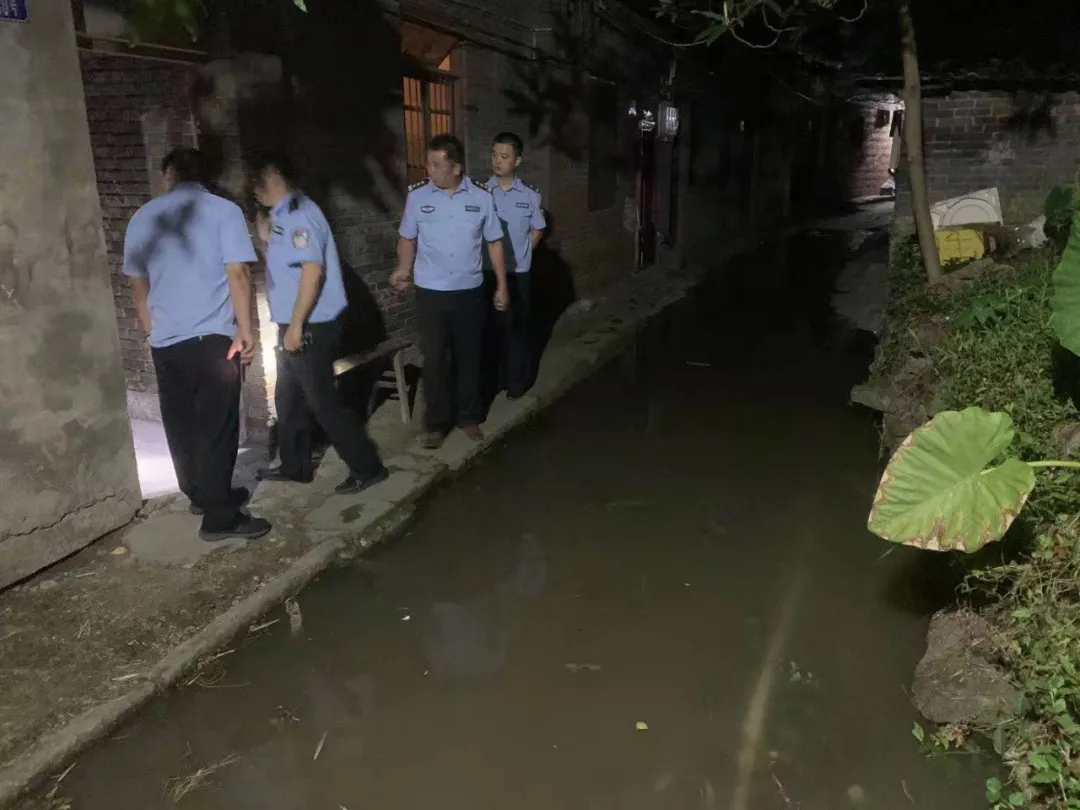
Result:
x=306 y=294
x=186 y=254
x=447 y=220
x=519 y=207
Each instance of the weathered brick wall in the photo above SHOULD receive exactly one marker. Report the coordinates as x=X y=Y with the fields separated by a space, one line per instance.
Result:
x=137 y=110
x=869 y=159
x=598 y=249
x=349 y=144
x=970 y=145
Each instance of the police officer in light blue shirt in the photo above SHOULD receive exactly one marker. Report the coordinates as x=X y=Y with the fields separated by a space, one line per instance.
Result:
x=186 y=254
x=447 y=220
x=522 y=214
x=306 y=294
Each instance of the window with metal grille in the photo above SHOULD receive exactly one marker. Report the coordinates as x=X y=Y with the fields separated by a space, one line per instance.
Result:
x=429 y=111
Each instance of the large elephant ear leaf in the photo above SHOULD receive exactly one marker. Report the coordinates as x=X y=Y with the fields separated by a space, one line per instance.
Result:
x=1066 y=298
x=937 y=492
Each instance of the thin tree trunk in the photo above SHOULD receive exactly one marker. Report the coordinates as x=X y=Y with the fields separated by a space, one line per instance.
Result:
x=913 y=140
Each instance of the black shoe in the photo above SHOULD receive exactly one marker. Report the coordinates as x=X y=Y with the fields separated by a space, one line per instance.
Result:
x=353 y=484
x=245 y=528
x=277 y=474
x=240 y=496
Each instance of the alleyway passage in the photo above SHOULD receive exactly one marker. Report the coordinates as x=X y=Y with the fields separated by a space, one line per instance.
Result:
x=662 y=595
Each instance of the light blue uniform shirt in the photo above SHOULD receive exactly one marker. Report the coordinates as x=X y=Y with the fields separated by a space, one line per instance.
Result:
x=181 y=242
x=300 y=233
x=520 y=210
x=449 y=229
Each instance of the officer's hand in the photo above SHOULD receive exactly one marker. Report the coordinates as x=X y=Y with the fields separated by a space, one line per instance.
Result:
x=400 y=279
x=293 y=340
x=502 y=299
x=244 y=346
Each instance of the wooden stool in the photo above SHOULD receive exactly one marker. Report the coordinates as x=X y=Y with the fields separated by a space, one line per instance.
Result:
x=392 y=379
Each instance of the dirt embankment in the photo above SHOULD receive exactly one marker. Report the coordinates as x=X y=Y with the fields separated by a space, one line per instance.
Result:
x=905 y=384
x=960 y=679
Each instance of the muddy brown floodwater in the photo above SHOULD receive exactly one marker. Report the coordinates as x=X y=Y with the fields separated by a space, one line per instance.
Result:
x=661 y=595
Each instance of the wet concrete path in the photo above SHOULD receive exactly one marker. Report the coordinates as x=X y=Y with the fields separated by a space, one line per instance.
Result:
x=662 y=595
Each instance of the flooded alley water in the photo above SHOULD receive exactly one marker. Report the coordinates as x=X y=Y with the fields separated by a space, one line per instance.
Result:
x=660 y=595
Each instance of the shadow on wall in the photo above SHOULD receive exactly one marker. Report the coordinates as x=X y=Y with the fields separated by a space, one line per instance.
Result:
x=552 y=290
x=570 y=96
x=333 y=103
x=553 y=92
x=1033 y=114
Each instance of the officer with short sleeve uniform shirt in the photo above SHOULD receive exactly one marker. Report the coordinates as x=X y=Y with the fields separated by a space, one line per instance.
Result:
x=446 y=222
x=306 y=296
x=520 y=209
x=187 y=254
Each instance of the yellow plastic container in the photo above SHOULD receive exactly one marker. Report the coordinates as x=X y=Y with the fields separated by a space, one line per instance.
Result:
x=955 y=244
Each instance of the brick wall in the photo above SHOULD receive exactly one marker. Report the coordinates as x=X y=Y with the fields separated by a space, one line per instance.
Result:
x=869 y=157
x=970 y=145
x=348 y=143
x=137 y=110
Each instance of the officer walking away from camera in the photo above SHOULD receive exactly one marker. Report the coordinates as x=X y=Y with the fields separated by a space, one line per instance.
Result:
x=446 y=222
x=187 y=255
x=306 y=294
x=519 y=208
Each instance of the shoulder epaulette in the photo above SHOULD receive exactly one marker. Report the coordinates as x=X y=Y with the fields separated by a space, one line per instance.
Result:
x=530 y=187
x=481 y=184
x=415 y=186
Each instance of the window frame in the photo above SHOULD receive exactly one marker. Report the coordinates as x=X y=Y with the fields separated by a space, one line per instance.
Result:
x=420 y=110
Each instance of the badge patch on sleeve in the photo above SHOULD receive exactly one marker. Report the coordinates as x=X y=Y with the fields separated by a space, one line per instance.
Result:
x=300 y=238
x=427 y=209
x=473 y=208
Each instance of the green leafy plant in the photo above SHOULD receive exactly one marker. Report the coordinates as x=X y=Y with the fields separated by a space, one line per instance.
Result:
x=1066 y=300
x=1037 y=611
x=986 y=309
x=938 y=491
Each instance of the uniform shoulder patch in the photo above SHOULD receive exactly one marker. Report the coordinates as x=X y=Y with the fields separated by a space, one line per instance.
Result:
x=481 y=184
x=421 y=184
x=300 y=238
x=530 y=187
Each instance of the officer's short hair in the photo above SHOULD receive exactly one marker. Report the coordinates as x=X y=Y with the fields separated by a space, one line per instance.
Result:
x=512 y=139
x=276 y=161
x=188 y=165
x=455 y=149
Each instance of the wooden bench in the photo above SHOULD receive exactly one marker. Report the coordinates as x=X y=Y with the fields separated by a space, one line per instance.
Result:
x=392 y=378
